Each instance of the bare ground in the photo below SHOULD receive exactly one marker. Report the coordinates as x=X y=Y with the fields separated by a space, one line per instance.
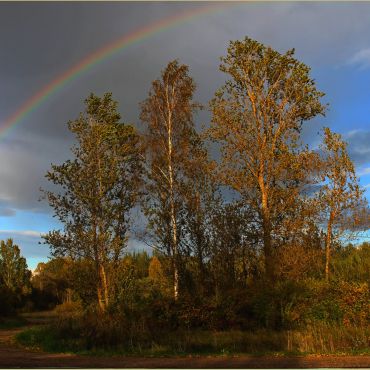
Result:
x=13 y=356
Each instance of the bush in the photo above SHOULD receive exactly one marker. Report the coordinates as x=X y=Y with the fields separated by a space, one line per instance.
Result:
x=339 y=302
x=279 y=306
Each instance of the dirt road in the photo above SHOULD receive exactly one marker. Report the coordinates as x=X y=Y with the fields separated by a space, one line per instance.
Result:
x=13 y=356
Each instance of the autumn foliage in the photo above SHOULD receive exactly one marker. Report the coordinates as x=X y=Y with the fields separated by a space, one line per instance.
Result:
x=253 y=238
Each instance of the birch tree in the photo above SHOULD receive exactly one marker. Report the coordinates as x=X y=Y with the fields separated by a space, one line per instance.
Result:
x=98 y=188
x=169 y=140
x=257 y=117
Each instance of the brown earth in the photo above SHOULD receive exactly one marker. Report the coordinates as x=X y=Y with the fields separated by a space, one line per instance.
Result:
x=14 y=356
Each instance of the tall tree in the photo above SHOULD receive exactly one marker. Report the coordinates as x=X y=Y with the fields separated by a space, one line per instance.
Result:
x=99 y=187
x=257 y=119
x=169 y=139
x=340 y=196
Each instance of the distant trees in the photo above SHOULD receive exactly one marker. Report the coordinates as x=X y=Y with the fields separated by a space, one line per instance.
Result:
x=52 y=282
x=14 y=276
x=257 y=118
x=351 y=263
x=99 y=187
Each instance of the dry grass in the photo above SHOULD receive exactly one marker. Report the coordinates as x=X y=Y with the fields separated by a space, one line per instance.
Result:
x=329 y=339
x=314 y=339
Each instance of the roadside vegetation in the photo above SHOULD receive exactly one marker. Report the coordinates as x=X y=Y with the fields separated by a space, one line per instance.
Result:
x=249 y=251
x=318 y=339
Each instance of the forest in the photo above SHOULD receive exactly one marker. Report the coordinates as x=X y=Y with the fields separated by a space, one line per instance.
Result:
x=255 y=242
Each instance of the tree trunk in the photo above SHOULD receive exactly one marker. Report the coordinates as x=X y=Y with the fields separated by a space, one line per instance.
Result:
x=174 y=251
x=328 y=246
x=102 y=289
x=202 y=273
x=104 y=286
x=172 y=210
x=267 y=248
x=103 y=302
x=266 y=228
x=100 y=298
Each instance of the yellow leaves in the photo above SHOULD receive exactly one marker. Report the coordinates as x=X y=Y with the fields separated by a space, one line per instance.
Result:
x=155 y=270
x=158 y=277
x=355 y=303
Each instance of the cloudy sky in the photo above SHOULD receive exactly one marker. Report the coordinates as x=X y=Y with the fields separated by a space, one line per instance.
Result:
x=41 y=41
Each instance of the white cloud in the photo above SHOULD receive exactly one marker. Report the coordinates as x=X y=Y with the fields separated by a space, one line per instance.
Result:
x=28 y=243
x=363 y=171
x=361 y=58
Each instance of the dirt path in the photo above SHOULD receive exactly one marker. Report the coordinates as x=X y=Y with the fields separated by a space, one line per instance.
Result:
x=12 y=356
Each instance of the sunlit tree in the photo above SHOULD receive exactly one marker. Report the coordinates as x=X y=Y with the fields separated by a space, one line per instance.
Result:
x=99 y=187
x=257 y=117
x=170 y=139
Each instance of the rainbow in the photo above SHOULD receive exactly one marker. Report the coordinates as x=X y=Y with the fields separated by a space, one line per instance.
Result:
x=102 y=54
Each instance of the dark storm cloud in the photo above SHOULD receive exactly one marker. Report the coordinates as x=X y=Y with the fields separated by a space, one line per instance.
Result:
x=358 y=146
x=39 y=41
x=23 y=171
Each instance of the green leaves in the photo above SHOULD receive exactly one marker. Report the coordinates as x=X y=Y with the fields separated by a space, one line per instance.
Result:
x=14 y=274
x=98 y=187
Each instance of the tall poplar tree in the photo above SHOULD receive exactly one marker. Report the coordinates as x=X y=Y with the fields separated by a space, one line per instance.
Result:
x=170 y=139
x=257 y=119
x=98 y=188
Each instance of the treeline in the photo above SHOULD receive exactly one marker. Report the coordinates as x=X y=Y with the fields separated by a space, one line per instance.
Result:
x=244 y=238
x=143 y=286
x=15 y=279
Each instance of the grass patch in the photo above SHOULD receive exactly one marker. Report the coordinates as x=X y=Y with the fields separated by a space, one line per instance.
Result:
x=12 y=322
x=314 y=340
x=46 y=339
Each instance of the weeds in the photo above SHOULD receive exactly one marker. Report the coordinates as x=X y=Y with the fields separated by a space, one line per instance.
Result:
x=323 y=339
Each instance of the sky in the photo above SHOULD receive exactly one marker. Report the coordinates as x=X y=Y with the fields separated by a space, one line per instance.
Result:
x=41 y=41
